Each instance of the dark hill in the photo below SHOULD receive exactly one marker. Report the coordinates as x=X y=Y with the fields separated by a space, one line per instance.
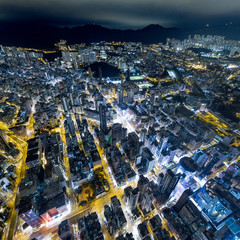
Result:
x=107 y=70
x=44 y=36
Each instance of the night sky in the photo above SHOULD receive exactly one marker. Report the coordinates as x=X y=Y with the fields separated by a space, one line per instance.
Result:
x=185 y=14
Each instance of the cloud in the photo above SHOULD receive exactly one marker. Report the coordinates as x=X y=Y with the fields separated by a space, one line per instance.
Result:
x=122 y=13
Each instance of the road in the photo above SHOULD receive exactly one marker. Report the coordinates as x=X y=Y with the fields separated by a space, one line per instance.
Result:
x=96 y=205
x=19 y=162
x=49 y=231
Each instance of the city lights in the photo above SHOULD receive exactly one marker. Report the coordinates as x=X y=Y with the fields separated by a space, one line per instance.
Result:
x=121 y=140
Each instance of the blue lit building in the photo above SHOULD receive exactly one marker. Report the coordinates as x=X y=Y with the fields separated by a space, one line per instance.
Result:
x=217 y=211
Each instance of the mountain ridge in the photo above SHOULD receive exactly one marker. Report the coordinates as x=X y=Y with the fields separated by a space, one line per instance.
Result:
x=44 y=36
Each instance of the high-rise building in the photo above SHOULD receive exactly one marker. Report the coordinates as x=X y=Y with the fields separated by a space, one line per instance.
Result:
x=100 y=74
x=210 y=165
x=147 y=199
x=90 y=74
x=116 y=133
x=71 y=99
x=200 y=157
x=103 y=118
x=120 y=96
x=133 y=142
x=4 y=140
x=130 y=95
x=134 y=197
x=124 y=133
x=183 y=199
x=143 y=134
x=142 y=185
x=147 y=159
x=92 y=56
x=150 y=164
x=128 y=75
x=160 y=178
x=170 y=181
x=65 y=104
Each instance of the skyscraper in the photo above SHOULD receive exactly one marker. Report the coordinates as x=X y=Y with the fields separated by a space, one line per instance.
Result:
x=100 y=74
x=183 y=199
x=92 y=56
x=130 y=95
x=116 y=133
x=142 y=185
x=134 y=197
x=160 y=178
x=65 y=104
x=210 y=165
x=200 y=157
x=133 y=142
x=120 y=96
x=150 y=164
x=170 y=181
x=128 y=75
x=147 y=199
x=143 y=134
x=103 y=118
x=90 y=74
